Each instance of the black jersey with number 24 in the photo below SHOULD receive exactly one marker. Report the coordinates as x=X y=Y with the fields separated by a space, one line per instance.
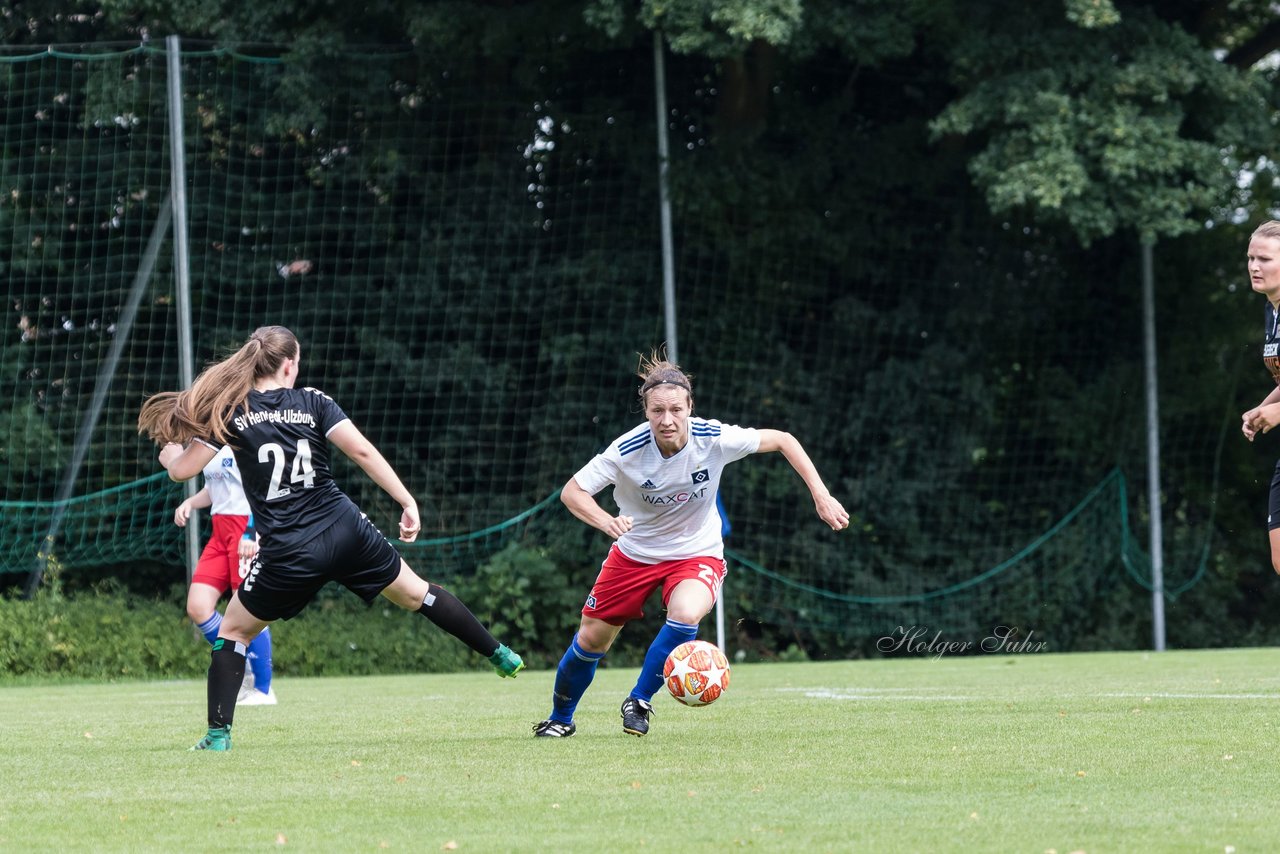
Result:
x=281 y=448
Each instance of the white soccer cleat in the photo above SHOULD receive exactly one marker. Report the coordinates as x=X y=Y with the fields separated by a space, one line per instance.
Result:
x=254 y=697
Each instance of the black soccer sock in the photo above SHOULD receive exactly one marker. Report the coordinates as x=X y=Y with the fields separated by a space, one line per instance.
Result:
x=226 y=672
x=447 y=611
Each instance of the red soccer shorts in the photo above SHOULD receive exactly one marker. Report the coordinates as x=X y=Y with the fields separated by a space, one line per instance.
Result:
x=623 y=584
x=220 y=561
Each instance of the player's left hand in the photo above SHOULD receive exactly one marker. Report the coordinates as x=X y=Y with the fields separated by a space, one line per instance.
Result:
x=410 y=525
x=1264 y=418
x=832 y=512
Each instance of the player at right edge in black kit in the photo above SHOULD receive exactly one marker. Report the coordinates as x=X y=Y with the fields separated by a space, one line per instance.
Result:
x=1263 y=264
x=311 y=532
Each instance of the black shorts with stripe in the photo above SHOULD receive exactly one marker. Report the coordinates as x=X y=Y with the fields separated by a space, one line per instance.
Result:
x=351 y=551
x=1273 y=501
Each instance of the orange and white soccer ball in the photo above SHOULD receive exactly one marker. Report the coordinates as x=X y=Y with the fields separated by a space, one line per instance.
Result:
x=696 y=673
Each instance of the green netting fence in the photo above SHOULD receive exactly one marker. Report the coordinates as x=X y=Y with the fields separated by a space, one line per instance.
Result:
x=472 y=263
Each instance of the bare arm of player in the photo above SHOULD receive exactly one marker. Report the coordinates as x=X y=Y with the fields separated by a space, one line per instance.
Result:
x=186 y=463
x=347 y=438
x=1262 y=417
x=829 y=510
x=583 y=505
x=199 y=501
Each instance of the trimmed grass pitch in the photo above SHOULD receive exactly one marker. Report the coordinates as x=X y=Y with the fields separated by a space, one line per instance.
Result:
x=1033 y=752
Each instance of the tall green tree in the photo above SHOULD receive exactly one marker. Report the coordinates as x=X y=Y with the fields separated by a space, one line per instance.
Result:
x=1106 y=116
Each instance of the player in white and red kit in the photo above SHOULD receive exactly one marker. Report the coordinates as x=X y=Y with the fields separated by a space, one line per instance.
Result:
x=665 y=475
x=223 y=564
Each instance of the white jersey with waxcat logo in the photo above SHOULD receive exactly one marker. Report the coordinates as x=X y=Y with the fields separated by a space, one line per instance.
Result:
x=226 y=487
x=672 y=500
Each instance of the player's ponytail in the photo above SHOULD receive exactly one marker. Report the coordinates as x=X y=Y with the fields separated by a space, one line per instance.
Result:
x=221 y=389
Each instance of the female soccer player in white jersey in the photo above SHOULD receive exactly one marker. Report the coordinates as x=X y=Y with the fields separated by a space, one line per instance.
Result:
x=225 y=557
x=311 y=532
x=665 y=475
x=1263 y=265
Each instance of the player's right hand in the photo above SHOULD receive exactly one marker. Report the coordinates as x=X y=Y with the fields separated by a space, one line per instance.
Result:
x=182 y=514
x=1262 y=420
x=618 y=526
x=170 y=452
x=247 y=549
x=1247 y=426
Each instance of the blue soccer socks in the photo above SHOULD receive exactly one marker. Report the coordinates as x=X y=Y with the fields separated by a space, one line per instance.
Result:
x=259 y=656
x=669 y=637
x=209 y=628
x=573 y=677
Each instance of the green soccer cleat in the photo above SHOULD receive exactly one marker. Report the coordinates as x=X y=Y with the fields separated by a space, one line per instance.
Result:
x=218 y=738
x=506 y=662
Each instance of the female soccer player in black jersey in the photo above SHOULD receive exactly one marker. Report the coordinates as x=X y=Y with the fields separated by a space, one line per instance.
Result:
x=1264 y=277
x=311 y=532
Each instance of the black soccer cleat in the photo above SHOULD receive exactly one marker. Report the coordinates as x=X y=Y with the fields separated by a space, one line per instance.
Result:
x=635 y=716
x=553 y=729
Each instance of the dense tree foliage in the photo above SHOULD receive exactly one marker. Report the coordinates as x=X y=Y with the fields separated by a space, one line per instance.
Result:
x=1029 y=147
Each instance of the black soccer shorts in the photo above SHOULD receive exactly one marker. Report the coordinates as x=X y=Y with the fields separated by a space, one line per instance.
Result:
x=1273 y=501
x=351 y=551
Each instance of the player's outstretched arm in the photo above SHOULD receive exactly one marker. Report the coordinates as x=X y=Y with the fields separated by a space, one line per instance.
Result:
x=829 y=509
x=199 y=501
x=583 y=505
x=347 y=438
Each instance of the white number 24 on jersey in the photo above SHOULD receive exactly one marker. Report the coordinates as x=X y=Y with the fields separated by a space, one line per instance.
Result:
x=301 y=472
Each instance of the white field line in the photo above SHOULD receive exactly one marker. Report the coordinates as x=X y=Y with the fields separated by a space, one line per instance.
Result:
x=1189 y=696
x=935 y=694
x=872 y=694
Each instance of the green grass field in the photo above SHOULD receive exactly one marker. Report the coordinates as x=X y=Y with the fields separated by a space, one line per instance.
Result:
x=1097 y=753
